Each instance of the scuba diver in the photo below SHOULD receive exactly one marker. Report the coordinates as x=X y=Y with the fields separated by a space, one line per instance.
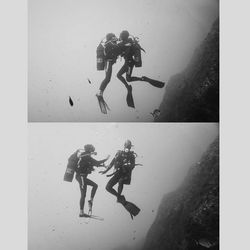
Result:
x=85 y=167
x=107 y=53
x=130 y=50
x=123 y=163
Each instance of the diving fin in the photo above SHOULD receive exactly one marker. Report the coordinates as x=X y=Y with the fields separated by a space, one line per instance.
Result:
x=106 y=105
x=131 y=208
x=130 y=99
x=121 y=199
x=84 y=215
x=155 y=83
x=96 y=217
x=102 y=104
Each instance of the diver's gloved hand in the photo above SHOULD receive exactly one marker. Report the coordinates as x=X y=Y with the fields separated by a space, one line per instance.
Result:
x=106 y=170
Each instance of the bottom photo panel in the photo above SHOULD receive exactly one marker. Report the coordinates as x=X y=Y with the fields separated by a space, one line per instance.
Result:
x=123 y=186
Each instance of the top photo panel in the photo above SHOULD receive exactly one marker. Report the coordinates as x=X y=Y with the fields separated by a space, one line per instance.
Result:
x=123 y=61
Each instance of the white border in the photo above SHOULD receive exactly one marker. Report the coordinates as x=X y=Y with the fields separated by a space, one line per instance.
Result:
x=13 y=184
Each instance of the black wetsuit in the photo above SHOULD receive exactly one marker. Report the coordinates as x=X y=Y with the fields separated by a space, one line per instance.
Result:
x=86 y=164
x=111 y=53
x=127 y=51
x=123 y=163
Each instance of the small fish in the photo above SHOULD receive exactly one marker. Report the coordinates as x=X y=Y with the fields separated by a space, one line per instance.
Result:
x=89 y=81
x=70 y=101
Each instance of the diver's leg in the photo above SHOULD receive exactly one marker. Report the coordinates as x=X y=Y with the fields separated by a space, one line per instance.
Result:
x=155 y=83
x=83 y=195
x=94 y=188
x=108 y=74
x=93 y=192
x=109 y=187
x=129 y=98
x=120 y=187
x=119 y=75
x=83 y=189
x=129 y=76
x=121 y=198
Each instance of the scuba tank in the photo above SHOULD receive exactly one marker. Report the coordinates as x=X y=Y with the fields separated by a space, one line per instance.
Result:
x=71 y=166
x=100 y=56
x=106 y=50
x=137 y=52
x=137 y=55
x=69 y=174
x=70 y=171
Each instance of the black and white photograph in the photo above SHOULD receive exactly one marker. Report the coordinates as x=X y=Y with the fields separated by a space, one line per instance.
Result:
x=123 y=186
x=123 y=61
x=124 y=125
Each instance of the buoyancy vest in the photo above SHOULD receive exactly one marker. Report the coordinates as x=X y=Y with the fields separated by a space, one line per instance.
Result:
x=131 y=51
x=84 y=159
x=85 y=165
x=124 y=164
x=111 y=50
x=106 y=50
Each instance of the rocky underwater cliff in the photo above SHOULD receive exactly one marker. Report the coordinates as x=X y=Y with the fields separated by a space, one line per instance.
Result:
x=193 y=95
x=188 y=218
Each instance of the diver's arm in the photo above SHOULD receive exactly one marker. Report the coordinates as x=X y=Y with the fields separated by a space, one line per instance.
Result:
x=102 y=161
x=109 y=167
x=98 y=163
x=106 y=170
